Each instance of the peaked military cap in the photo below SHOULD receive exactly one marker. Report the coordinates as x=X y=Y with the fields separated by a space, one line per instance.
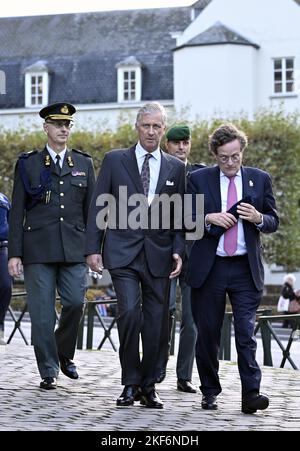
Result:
x=178 y=132
x=58 y=111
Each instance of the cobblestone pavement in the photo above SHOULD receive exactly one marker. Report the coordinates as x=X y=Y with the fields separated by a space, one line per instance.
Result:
x=88 y=404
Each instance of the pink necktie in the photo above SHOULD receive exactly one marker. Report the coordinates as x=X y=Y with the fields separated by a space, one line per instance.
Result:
x=230 y=236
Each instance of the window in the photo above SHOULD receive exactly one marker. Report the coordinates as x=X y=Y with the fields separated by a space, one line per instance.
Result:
x=36 y=85
x=36 y=90
x=129 y=84
x=284 y=76
x=129 y=80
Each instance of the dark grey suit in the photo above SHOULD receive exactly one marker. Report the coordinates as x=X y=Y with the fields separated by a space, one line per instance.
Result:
x=137 y=260
x=48 y=233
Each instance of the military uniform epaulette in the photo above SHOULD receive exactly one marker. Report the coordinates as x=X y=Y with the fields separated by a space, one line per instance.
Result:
x=82 y=152
x=27 y=154
x=199 y=165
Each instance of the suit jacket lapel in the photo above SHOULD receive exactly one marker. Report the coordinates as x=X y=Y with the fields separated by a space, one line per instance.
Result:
x=47 y=157
x=247 y=183
x=214 y=187
x=165 y=168
x=131 y=166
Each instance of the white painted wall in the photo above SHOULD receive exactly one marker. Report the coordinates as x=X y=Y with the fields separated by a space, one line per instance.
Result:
x=88 y=117
x=216 y=80
x=272 y=24
x=257 y=20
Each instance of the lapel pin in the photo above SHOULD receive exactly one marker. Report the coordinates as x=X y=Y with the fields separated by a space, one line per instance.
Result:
x=168 y=183
x=251 y=183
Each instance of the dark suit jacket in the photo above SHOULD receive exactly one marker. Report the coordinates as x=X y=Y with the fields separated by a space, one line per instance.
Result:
x=257 y=184
x=47 y=232
x=120 y=246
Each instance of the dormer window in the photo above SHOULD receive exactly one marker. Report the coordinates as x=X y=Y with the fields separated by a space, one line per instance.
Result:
x=36 y=85
x=129 y=80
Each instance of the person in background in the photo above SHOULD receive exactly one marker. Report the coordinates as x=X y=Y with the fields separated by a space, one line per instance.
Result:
x=141 y=260
x=51 y=196
x=288 y=292
x=178 y=143
x=5 y=278
x=239 y=205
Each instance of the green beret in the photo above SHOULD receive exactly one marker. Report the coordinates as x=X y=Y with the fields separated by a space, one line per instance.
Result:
x=178 y=132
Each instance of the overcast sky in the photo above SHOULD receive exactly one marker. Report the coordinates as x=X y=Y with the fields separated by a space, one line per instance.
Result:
x=10 y=8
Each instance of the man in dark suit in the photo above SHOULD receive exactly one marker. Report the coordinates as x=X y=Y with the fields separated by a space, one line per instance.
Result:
x=51 y=196
x=178 y=143
x=228 y=260
x=140 y=257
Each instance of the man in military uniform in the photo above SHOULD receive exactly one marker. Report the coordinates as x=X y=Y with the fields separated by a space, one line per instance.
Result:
x=5 y=279
x=51 y=196
x=178 y=143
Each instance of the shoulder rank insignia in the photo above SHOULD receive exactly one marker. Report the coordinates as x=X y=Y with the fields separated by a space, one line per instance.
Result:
x=47 y=160
x=27 y=154
x=70 y=161
x=81 y=152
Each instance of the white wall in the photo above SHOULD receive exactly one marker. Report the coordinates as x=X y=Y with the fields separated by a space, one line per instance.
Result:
x=257 y=20
x=88 y=117
x=215 y=80
x=272 y=24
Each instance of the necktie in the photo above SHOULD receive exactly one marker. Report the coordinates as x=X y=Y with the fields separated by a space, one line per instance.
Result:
x=57 y=163
x=145 y=174
x=230 y=236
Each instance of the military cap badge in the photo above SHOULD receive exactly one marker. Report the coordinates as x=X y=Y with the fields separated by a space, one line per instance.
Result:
x=64 y=109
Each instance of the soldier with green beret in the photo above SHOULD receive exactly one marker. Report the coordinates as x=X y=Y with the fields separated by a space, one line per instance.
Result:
x=178 y=143
x=52 y=191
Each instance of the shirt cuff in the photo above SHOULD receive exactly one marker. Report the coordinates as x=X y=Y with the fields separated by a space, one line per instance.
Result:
x=207 y=226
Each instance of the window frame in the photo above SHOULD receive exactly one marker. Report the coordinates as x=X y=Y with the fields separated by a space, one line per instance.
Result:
x=121 y=84
x=28 y=89
x=284 y=79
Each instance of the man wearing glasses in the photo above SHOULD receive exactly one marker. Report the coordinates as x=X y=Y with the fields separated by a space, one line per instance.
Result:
x=52 y=191
x=238 y=205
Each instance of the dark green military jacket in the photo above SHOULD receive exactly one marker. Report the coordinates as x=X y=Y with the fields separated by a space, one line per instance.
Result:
x=50 y=227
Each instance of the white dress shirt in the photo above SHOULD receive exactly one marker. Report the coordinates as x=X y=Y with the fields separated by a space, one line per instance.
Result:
x=154 y=165
x=241 y=244
x=53 y=155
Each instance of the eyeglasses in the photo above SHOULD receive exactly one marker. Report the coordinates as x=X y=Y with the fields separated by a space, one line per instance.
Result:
x=235 y=158
x=61 y=124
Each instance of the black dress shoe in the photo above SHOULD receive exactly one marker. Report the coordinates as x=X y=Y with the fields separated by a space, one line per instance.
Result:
x=209 y=402
x=152 y=400
x=130 y=394
x=186 y=386
x=48 y=383
x=68 y=367
x=254 y=402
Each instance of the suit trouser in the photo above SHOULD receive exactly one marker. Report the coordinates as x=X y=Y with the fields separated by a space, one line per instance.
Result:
x=188 y=330
x=229 y=275
x=5 y=286
x=142 y=311
x=41 y=281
